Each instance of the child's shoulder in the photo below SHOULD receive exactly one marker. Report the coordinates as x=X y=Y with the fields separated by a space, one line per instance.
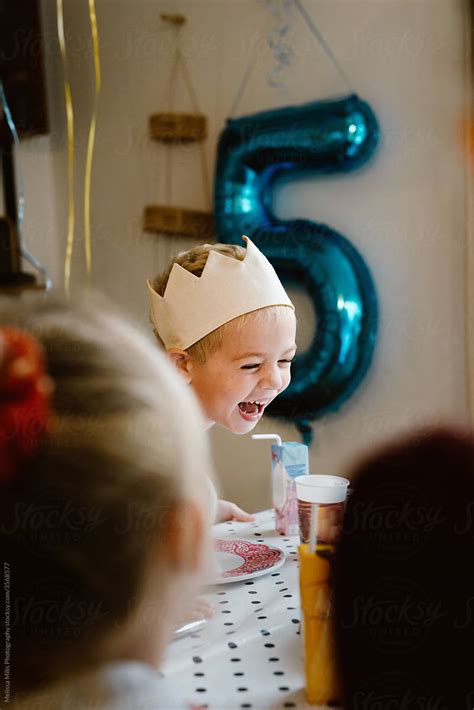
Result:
x=115 y=686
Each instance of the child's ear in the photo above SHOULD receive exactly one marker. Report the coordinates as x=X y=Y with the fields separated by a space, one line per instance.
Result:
x=182 y=362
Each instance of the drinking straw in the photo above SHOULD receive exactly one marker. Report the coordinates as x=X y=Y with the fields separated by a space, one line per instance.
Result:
x=313 y=527
x=276 y=437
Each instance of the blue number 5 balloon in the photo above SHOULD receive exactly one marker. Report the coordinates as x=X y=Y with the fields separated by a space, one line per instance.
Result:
x=254 y=151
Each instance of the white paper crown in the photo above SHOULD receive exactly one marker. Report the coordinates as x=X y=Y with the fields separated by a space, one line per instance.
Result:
x=193 y=306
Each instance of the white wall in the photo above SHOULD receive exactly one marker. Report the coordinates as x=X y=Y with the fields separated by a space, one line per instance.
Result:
x=405 y=212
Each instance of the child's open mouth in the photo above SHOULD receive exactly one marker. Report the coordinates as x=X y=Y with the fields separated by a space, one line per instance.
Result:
x=251 y=410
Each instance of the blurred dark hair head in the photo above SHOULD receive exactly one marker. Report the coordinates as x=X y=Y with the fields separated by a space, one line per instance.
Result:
x=404 y=578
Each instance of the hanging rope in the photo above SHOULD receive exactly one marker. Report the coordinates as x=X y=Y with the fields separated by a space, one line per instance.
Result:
x=324 y=45
x=170 y=103
x=202 y=154
x=243 y=84
x=283 y=59
x=179 y=62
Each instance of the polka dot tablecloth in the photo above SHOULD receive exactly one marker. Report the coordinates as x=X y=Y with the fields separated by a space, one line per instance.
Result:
x=250 y=654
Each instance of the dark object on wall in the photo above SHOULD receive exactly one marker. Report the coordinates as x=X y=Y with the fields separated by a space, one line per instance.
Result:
x=22 y=77
x=22 y=65
x=12 y=278
x=9 y=259
x=178 y=127
x=174 y=220
x=11 y=275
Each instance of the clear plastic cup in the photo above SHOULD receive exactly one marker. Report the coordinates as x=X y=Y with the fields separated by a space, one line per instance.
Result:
x=321 y=501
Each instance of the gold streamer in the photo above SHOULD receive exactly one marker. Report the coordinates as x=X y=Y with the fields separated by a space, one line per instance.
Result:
x=70 y=148
x=90 y=144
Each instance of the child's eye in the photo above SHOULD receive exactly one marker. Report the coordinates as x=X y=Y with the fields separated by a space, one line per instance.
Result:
x=250 y=367
x=286 y=362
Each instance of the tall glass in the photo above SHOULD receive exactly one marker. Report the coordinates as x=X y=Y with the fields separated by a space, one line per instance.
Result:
x=320 y=509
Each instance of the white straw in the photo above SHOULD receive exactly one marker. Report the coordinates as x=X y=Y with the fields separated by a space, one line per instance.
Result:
x=276 y=437
x=313 y=527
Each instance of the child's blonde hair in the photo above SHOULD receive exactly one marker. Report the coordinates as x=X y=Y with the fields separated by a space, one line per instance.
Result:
x=194 y=260
x=76 y=522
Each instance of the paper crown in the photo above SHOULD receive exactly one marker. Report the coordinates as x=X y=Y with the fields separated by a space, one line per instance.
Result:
x=193 y=306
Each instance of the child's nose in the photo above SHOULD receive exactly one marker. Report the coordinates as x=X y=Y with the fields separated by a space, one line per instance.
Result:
x=272 y=378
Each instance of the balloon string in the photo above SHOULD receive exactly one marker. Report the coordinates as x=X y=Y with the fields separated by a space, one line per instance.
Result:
x=25 y=253
x=319 y=37
x=70 y=144
x=243 y=84
x=90 y=143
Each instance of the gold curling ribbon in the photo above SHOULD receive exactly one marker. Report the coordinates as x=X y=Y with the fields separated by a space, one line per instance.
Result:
x=70 y=148
x=90 y=144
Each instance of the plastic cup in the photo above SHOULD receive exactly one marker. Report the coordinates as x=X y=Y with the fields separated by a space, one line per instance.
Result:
x=321 y=502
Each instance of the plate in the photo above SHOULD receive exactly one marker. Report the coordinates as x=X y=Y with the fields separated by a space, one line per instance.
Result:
x=239 y=560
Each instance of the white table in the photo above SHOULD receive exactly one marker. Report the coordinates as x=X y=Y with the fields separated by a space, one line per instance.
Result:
x=250 y=655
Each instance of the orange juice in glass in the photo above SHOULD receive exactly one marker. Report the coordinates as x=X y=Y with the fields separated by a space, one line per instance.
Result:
x=321 y=507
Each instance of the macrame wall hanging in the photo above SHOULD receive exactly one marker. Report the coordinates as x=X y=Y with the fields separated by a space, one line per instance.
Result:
x=172 y=128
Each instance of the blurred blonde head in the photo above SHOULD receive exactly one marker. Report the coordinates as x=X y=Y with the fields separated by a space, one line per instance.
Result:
x=86 y=519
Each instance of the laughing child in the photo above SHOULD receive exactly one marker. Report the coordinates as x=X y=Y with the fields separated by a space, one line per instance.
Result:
x=229 y=327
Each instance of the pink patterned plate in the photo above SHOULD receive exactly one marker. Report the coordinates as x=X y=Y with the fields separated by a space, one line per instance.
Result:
x=239 y=560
